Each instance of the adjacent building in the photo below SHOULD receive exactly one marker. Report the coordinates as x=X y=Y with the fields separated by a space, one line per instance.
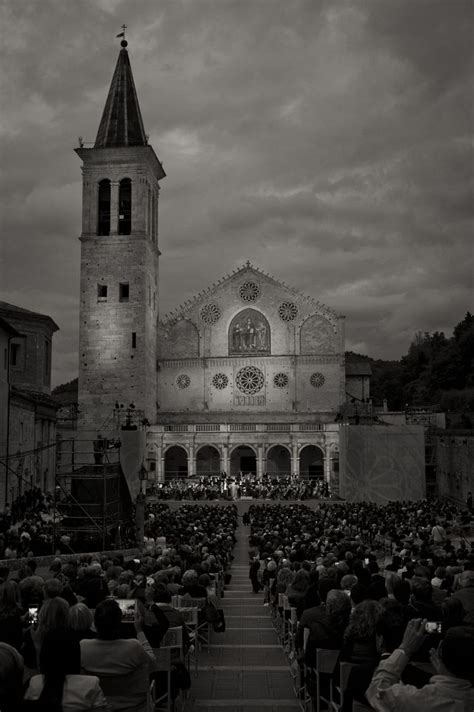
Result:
x=27 y=412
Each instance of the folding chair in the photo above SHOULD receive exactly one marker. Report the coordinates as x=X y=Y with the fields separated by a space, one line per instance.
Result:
x=163 y=664
x=204 y=629
x=344 y=674
x=291 y=625
x=190 y=615
x=326 y=661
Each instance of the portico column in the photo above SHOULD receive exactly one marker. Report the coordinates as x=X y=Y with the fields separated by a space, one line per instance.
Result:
x=259 y=461
x=327 y=464
x=191 y=461
x=114 y=206
x=295 y=464
x=225 y=459
x=159 y=464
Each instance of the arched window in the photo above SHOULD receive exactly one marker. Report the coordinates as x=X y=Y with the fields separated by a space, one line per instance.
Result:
x=249 y=333
x=103 y=222
x=125 y=207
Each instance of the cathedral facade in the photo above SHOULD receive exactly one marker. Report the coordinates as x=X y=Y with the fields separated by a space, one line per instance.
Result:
x=249 y=376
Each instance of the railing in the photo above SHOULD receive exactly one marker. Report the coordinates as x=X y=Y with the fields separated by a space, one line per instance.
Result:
x=243 y=427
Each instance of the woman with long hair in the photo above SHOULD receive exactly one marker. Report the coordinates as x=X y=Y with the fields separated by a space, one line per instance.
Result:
x=10 y=615
x=359 y=637
x=11 y=678
x=53 y=615
x=60 y=687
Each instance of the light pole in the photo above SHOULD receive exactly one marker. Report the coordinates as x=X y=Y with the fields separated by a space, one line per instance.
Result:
x=140 y=506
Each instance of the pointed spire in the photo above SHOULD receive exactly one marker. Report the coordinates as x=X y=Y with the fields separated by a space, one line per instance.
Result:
x=121 y=123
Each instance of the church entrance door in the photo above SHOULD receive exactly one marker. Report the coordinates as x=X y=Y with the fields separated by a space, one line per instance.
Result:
x=312 y=462
x=243 y=460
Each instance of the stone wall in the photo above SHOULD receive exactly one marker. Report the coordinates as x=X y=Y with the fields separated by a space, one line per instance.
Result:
x=294 y=362
x=117 y=335
x=455 y=465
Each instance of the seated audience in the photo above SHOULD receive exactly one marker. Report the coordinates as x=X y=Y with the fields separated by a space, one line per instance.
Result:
x=60 y=687
x=122 y=665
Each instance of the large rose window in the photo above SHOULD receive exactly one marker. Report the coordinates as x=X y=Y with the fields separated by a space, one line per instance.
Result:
x=250 y=380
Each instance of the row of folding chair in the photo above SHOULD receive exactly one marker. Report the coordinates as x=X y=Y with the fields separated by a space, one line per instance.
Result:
x=328 y=681
x=326 y=667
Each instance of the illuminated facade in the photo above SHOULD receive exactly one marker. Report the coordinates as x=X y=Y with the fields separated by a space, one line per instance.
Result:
x=248 y=376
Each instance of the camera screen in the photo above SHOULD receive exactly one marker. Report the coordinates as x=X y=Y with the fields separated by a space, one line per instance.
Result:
x=127 y=606
x=433 y=627
x=33 y=614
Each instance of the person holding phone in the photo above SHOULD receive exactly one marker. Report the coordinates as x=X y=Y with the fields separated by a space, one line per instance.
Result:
x=122 y=665
x=449 y=690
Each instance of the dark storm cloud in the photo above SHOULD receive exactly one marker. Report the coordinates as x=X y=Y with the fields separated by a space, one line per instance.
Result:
x=327 y=142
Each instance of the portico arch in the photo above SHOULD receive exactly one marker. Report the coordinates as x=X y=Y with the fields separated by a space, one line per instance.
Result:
x=243 y=458
x=312 y=462
x=278 y=461
x=208 y=460
x=176 y=462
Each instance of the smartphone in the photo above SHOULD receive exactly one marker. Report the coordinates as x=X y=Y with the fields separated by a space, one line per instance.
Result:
x=33 y=614
x=127 y=606
x=433 y=627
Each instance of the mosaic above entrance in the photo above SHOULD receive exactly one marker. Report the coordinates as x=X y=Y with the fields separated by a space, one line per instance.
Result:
x=249 y=333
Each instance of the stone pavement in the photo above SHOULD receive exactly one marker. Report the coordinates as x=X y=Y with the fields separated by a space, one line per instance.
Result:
x=245 y=669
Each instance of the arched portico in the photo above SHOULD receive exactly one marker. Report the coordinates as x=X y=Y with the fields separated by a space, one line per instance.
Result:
x=278 y=461
x=312 y=462
x=176 y=462
x=243 y=458
x=208 y=460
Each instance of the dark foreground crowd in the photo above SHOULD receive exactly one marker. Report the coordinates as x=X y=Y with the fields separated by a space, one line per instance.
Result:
x=407 y=626
x=67 y=640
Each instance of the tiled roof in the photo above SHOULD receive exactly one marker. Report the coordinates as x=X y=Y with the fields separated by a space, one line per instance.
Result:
x=15 y=312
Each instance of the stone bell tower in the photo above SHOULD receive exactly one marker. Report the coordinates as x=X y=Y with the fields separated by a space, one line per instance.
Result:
x=119 y=260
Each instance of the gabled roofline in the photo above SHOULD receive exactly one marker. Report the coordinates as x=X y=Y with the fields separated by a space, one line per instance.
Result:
x=185 y=306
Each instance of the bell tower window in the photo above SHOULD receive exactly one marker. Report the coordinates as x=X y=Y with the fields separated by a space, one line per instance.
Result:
x=125 y=207
x=103 y=226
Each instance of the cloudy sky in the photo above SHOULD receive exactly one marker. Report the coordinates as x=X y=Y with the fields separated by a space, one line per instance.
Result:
x=327 y=141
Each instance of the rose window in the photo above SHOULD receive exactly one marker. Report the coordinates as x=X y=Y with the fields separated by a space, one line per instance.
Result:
x=317 y=380
x=288 y=311
x=249 y=291
x=210 y=313
x=220 y=381
x=183 y=380
x=250 y=380
x=280 y=380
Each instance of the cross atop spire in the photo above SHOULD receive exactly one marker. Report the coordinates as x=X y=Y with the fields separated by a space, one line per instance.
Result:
x=121 y=123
